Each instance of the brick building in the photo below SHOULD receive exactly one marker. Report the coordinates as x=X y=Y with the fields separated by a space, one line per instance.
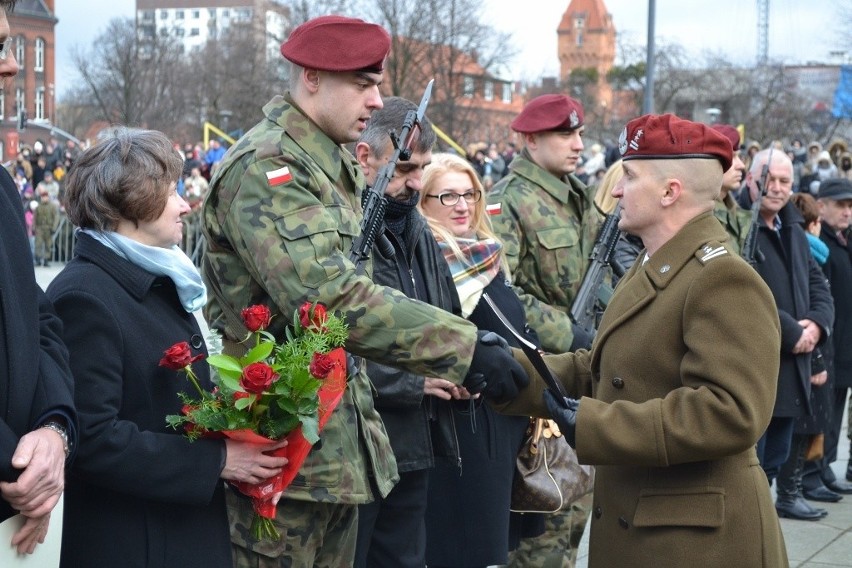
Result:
x=33 y=90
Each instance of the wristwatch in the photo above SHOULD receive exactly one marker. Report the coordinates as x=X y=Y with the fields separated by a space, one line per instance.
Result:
x=63 y=433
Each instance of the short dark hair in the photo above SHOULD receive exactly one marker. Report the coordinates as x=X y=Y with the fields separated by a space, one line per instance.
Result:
x=390 y=118
x=128 y=174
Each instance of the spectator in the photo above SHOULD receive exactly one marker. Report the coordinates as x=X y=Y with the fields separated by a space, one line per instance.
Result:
x=46 y=220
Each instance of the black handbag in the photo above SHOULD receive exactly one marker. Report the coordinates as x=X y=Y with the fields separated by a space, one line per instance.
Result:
x=548 y=477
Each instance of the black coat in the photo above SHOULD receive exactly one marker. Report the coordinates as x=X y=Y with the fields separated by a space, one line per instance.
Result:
x=139 y=494
x=838 y=270
x=800 y=292
x=35 y=381
x=419 y=427
x=467 y=517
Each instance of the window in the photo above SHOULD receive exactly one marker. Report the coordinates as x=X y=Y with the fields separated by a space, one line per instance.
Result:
x=579 y=39
x=178 y=14
x=20 y=103
x=39 y=55
x=579 y=23
x=212 y=13
x=468 y=87
x=180 y=32
x=194 y=32
x=488 y=90
x=147 y=15
x=2 y=104
x=507 y=93
x=226 y=13
x=20 y=50
x=196 y=14
x=164 y=14
x=39 y=104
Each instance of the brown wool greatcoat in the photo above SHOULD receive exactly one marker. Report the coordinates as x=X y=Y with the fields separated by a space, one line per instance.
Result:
x=677 y=389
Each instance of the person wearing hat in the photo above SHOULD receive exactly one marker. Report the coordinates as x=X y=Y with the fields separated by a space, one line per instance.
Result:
x=283 y=210
x=835 y=208
x=735 y=220
x=806 y=311
x=45 y=222
x=548 y=222
x=679 y=384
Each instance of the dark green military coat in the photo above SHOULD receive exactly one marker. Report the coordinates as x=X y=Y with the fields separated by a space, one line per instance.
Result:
x=736 y=221
x=283 y=209
x=677 y=389
x=548 y=227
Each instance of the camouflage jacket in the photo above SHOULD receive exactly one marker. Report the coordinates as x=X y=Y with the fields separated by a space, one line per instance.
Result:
x=735 y=219
x=46 y=216
x=548 y=227
x=283 y=209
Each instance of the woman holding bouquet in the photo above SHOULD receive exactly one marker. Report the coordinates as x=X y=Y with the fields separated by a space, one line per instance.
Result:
x=475 y=501
x=139 y=494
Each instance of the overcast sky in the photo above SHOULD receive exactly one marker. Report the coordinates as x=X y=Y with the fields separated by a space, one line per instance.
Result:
x=800 y=31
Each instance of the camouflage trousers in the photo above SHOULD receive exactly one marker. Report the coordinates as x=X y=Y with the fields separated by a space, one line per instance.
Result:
x=44 y=244
x=557 y=547
x=312 y=534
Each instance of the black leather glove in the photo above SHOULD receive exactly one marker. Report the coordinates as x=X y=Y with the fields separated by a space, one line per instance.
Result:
x=493 y=371
x=582 y=338
x=566 y=418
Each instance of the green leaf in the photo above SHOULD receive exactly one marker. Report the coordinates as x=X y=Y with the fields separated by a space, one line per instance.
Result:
x=310 y=428
x=260 y=352
x=243 y=403
x=225 y=363
x=288 y=405
x=232 y=383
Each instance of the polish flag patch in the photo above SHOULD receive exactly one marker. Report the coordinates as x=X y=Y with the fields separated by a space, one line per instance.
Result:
x=494 y=208
x=279 y=176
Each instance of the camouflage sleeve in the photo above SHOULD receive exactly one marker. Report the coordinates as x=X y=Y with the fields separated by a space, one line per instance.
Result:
x=294 y=240
x=552 y=325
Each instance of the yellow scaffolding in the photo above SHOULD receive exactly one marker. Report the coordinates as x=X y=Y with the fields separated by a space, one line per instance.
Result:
x=210 y=127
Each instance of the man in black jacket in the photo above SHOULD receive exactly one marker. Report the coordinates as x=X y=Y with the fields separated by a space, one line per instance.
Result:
x=392 y=531
x=835 y=206
x=37 y=419
x=806 y=312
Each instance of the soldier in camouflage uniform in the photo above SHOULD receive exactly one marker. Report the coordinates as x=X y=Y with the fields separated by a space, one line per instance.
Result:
x=548 y=223
x=283 y=210
x=45 y=221
x=734 y=218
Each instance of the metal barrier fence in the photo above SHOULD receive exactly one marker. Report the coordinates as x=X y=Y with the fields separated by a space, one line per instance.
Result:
x=64 y=239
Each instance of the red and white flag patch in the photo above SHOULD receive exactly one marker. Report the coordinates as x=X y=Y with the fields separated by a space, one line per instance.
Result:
x=494 y=208
x=279 y=176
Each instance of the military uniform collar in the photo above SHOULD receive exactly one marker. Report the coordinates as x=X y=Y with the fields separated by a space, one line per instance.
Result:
x=524 y=166
x=700 y=238
x=304 y=132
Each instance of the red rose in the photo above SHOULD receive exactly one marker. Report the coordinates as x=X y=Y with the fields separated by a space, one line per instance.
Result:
x=321 y=365
x=178 y=356
x=256 y=318
x=257 y=377
x=313 y=318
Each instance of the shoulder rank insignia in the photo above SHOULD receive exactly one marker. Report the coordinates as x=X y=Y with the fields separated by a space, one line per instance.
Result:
x=711 y=252
x=494 y=208
x=279 y=176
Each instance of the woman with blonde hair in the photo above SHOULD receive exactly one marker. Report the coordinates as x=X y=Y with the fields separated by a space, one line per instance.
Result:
x=472 y=497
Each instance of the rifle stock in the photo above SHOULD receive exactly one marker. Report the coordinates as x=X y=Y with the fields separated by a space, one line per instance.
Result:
x=584 y=309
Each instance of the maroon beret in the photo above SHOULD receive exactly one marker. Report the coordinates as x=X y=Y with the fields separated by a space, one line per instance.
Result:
x=665 y=137
x=730 y=133
x=338 y=43
x=549 y=112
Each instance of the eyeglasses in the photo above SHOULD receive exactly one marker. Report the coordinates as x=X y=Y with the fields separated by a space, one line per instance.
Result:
x=5 y=48
x=449 y=198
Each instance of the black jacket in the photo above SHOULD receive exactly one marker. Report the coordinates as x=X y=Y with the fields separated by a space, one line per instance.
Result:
x=838 y=270
x=419 y=427
x=140 y=494
x=35 y=381
x=800 y=292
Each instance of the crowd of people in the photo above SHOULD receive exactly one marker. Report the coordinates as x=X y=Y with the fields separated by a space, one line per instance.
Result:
x=716 y=368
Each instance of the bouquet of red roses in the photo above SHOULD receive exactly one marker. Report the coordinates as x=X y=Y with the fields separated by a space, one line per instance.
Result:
x=273 y=391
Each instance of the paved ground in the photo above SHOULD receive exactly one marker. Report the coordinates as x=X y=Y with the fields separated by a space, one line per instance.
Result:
x=810 y=544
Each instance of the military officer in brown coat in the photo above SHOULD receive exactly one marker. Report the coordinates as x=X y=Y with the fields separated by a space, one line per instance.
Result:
x=680 y=381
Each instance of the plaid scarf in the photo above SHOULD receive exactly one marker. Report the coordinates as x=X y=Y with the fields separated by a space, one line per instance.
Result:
x=476 y=269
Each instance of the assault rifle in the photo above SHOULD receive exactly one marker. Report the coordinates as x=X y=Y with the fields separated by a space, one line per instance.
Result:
x=584 y=310
x=375 y=202
x=750 y=253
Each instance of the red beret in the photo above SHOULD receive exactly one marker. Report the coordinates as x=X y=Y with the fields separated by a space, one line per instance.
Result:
x=338 y=43
x=665 y=136
x=730 y=133
x=549 y=112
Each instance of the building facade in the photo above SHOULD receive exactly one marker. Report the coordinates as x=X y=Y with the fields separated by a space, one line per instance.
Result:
x=32 y=92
